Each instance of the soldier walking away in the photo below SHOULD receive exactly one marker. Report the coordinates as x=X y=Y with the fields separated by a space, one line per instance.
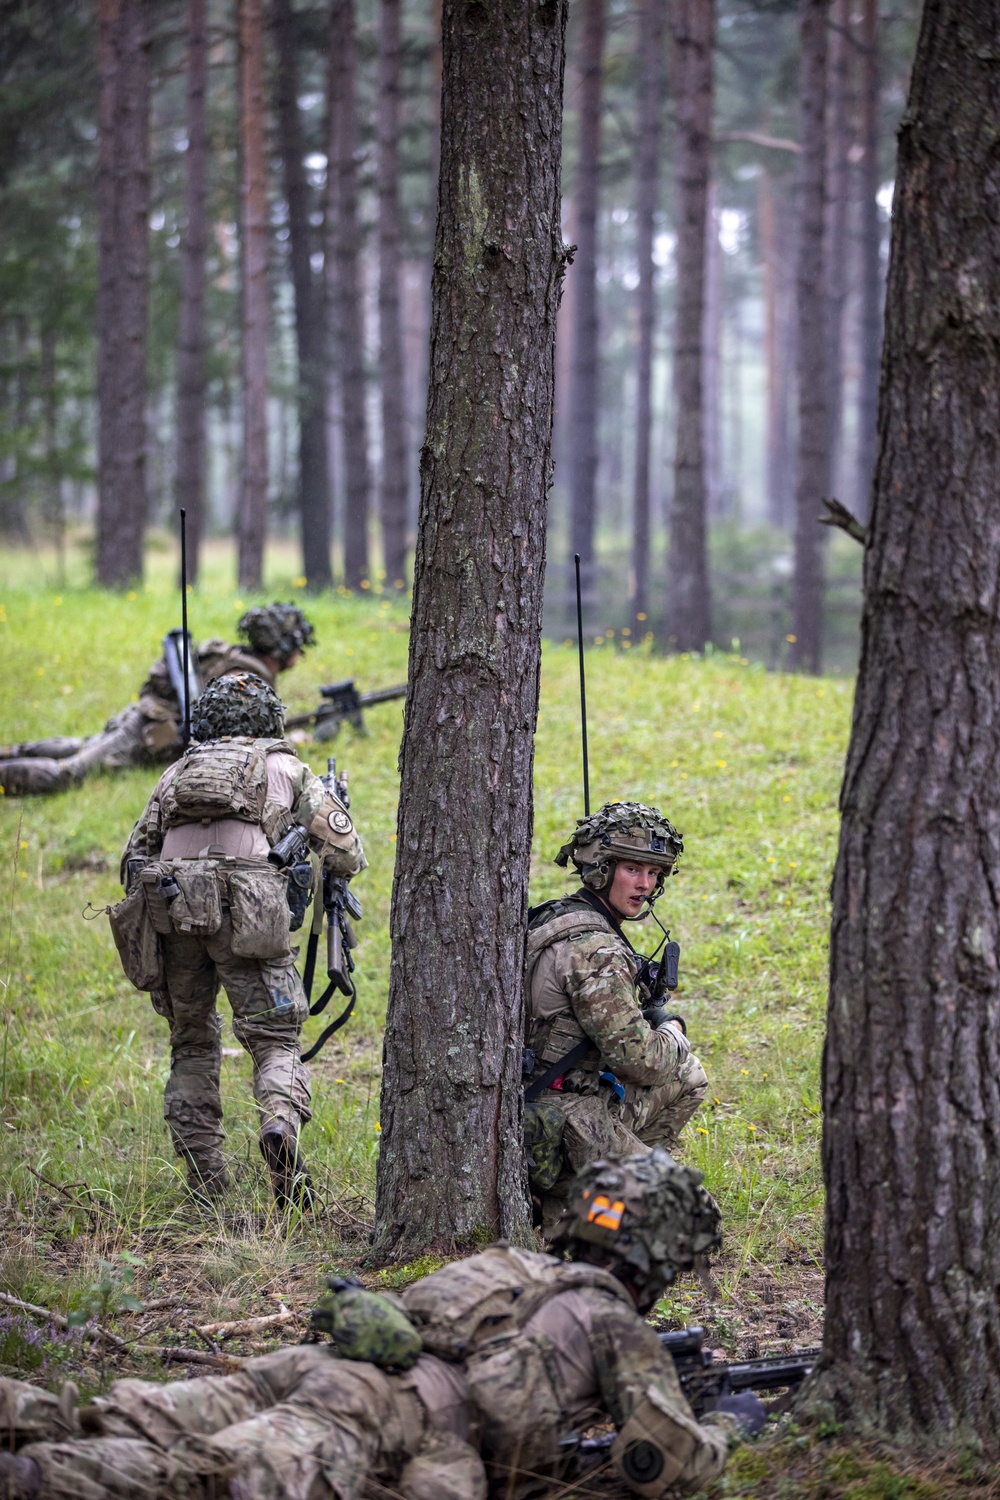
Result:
x=204 y=906
x=468 y=1384
x=149 y=732
x=600 y=1076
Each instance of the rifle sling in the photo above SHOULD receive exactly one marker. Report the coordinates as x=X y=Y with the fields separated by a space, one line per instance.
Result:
x=345 y=1015
x=576 y=1055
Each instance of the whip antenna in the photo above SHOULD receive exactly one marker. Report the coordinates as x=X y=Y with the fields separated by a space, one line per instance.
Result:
x=583 y=689
x=186 y=735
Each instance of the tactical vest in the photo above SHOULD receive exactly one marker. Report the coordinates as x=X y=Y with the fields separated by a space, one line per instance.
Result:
x=225 y=778
x=469 y=1303
x=555 y=1036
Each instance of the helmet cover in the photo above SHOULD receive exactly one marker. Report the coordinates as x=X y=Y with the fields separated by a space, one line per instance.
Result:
x=239 y=703
x=652 y=1215
x=276 y=630
x=621 y=830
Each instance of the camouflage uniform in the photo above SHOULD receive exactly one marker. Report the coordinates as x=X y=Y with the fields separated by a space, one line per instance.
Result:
x=581 y=983
x=550 y=1348
x=149 y=731
x=228 y=922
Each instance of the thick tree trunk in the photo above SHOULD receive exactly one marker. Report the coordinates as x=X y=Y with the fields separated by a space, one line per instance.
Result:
x=688 y=611
x=310 y=313
x=911 y=1087
x=252 y=517
x=871 y=246
x=775 y=223
x=344 y=247
x=451 y=1171
x=838 y=204
x=650 y=43
x=812 y=482
x=191 y=381
x=585 y=371
x=392 y=372
x=123 y=287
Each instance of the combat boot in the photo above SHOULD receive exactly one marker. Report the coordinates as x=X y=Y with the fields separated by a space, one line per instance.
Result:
x=207 y=1177
x=290 y=1180
x=27 y=777
x=20 y=1478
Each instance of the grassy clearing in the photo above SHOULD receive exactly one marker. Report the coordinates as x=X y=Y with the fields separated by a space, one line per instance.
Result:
x=747 y=765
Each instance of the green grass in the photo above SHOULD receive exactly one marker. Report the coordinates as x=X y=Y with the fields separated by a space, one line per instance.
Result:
x=747 y=765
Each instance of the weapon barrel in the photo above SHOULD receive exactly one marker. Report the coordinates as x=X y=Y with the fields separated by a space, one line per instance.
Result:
x=773 y=1373
x=382 y=695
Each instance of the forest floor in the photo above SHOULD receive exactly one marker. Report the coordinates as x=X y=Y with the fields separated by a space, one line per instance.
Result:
x=96 y=1221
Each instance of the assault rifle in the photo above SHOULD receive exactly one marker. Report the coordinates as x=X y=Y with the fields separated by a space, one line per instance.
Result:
x=340 y=904
x=705 y=1381
x=342 y=703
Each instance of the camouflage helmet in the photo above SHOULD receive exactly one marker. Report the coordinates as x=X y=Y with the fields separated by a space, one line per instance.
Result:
x=240 y=703
x=621 y=830
x=366 y=1325
x=647 y=1212
x=276 y=630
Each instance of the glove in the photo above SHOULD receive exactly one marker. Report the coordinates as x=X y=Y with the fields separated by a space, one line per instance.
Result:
x=674 y=1025
x=747 y=1410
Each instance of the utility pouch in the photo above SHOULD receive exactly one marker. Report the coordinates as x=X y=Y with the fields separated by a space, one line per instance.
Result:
x=543 y=1144
x=138 y=944
x=157 y=905
x=197 y=911
x=512 y=1391
x=258 y=903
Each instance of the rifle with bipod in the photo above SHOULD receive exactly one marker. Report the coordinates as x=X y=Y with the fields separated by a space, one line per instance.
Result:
x=342 y=704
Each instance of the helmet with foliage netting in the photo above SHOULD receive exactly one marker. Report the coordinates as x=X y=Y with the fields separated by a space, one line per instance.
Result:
x=622 y=830
x=240 y=703
x=276 y=630
x=647 y=1213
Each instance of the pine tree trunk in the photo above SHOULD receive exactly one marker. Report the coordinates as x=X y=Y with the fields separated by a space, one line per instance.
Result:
x=911 y=1086
x=585 y=372
x=813 y=475
x=837 y=207
x=310 y=313
x=871 y=242
x=123 y=288
x=252 y=517
x=712 y=358
x=392 y=372
x=451 y=1171
x=774 y=224
x=688 y=612
x=650 y=43
x=344 y=241
x=191 y=381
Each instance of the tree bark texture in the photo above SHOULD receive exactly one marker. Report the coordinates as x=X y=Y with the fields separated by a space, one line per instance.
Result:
x=310 y=313
x=191 y=380
x=344 y=248
x=451 y=1171
x=812 y=482
x=871 y=248
x=585 y=370
x=838 y=173
x=392 y=370
x=650 y=42
x=123 y=287
x=252 y=515
x=688 y=613
x=911 y=1086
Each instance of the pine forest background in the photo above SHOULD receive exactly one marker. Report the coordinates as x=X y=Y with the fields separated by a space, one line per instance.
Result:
x=297 y=353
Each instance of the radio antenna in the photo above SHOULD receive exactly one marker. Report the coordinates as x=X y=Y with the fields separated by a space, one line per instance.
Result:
x=184 y=630
x=583 y=688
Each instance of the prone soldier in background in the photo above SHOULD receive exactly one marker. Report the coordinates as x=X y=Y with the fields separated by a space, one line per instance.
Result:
x=477 y=1380
x=150 y=731
x=602 y=1073
x=205 y=905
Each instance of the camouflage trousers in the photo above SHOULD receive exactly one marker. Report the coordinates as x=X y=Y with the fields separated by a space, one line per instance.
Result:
x=53 y=765
x=598 y=1123
x=269 y=1006
x=299 y=1424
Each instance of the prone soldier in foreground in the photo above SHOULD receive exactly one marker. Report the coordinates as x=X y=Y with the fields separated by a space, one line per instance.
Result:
x=150 y=731
x=600 y=1076
x=468 y=1385
x=205 y=905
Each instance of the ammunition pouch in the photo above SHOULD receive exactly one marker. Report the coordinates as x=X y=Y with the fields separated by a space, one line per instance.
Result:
x=543 y=1135
x=197 y=910
x=138 y=943
x=258 y=903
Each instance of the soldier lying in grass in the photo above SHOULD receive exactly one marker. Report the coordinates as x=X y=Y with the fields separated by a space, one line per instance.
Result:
x=464 y=1387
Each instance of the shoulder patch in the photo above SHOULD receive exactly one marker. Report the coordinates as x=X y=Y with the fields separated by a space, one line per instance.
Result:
x=340 y=822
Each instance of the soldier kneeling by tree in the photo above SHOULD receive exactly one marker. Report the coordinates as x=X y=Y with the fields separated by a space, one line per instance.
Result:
x=464 y=1386
x=204 y=905
x=602 y=1075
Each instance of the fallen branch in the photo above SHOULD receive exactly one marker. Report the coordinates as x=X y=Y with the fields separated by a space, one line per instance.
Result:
x=839 y=515
x=246 y=1325
x=94 y=1331
x=172 y=1355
